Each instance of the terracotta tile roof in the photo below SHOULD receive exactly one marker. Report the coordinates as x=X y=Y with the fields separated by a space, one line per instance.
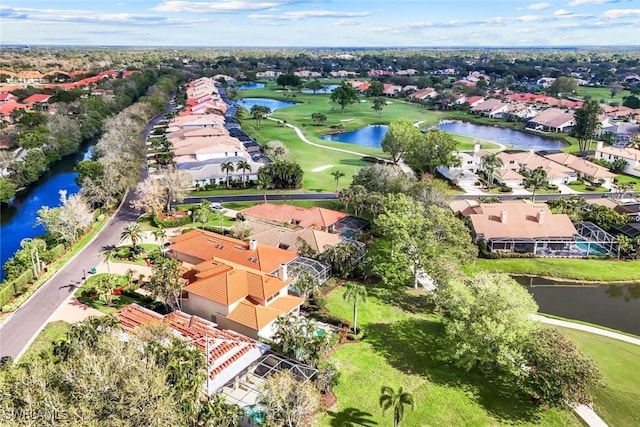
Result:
x=625 y=153
x=5 y=96
x=227 y=283
x=205 y=245
x=582 y=166
x=256 y=316
x=553 y=117
x=30 y=75
x=313 y=217
x=37 y=97
x=225 y=347
x=522 y=219
x=8 y=107
x=288 y=239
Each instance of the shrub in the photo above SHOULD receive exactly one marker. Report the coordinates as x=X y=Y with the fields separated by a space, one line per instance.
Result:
x=552 y=187
x=168 y=223
x=56 y=252
x=505 y=189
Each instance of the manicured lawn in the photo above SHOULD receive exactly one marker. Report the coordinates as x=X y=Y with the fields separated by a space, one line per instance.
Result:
x=619 y=362
x=581 y=187
x=149 y=248
x=603 y=93
x=628 y=178
x=328 y=204
x=577 y=269
x=52 y=332
x=118 y=301
x=403 y=347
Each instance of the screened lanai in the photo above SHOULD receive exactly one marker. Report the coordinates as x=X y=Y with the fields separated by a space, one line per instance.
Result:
x=319 y=270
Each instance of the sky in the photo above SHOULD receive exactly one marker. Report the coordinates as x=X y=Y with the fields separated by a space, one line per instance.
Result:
x=321 y=23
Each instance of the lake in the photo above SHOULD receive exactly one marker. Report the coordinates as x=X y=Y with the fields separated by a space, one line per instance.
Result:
x=250 y=85
x=18 y=219
x=273 y=104
x=510 y=138
x=368 y=136
x=615 y=306
x=327 y=89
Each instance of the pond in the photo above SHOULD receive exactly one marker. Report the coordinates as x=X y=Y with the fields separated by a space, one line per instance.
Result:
x=510 y=138
x=615 y=306
x=272 y=104
x=368 y=136
x=250 y=85
x=326 y=89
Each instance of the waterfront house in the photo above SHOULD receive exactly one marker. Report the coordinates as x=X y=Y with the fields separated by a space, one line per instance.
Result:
x=585 y=169
x=552 y=120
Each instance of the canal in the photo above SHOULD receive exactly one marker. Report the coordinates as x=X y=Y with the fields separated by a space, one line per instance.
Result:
x=615 y=306
x=18 y=219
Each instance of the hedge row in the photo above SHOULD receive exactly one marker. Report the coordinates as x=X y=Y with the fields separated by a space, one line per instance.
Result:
x=168 y=223
x=15 y=286
x=16 y=303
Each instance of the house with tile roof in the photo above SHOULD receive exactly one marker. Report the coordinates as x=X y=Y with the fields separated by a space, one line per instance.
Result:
x=517 y=161
x=7 y=97
x=490 y=108
x=7 y=109
x=423 y=94
x=229 y=353
x=292 y=239
x=585 y=169
x=611 y=154
x=552 y=120
x=30 y=77
x=288 y=215
x=197 y=246
x=38 y=101
x=521 y=226
x=238 y=298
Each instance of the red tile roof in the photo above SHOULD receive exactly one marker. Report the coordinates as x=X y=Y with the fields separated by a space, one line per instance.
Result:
x=37 y=98
x=205 y=245
x=314 y=217
x=8 y=107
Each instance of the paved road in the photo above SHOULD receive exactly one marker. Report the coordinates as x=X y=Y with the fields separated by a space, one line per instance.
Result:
x=17 y=331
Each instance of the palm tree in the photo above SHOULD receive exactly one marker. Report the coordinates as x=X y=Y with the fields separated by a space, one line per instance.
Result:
x=354 y=293
x=378 y=105
x=159 y=235
x=264 y=183
x=390 y=399
x=336 y=176
x=490 y=163
x=133 y=232
x=537 y=179
x=243 y=166
x=227 y=167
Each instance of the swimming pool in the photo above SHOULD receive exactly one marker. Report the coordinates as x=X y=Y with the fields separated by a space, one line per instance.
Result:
x=591 y=249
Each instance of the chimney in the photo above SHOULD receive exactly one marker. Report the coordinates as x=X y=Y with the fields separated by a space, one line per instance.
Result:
x=476 y=146
x=540 y=216
x=503 y=216
x=599 y=145
x=253 y=245
x=283 y=273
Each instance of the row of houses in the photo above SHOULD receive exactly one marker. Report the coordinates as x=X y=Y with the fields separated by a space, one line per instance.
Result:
x=202 y=142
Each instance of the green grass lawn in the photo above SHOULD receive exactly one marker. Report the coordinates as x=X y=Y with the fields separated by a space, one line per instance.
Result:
x=149 y=248
x=117 y=302
x=619 y=362
x=603 y=93
x=403 y=347
x=576 y=269
x=628 y=178
x=328 y=204
x=52 y=332
x=582 y=187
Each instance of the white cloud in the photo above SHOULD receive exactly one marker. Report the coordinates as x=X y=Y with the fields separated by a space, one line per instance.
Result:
x=537 y=6
x=583 y=2
x=532 y=18
x=620 y=13
x=562 y=12
x=219 y=6
x=298 y=15
x=343 y=22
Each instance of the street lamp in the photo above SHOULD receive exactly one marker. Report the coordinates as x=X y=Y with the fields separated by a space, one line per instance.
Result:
x=84 y=275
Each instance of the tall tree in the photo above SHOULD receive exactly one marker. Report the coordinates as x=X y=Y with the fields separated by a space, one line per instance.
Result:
x=166 y=282
x=396 y=401
x=318 y=118
x=401 y=135
x=586 y=119
x=314 y=85
x=378 y=105
x=490 y=163
x=264 y=183
x=243 y=166
x=344 y=95
x=536 y=180
x=337 y=174
x=67 y=221
x=259 y=112
x=227 y=168
x=132 y=232
x=355 y=293
x=431 y=150
x=276 y=150
x=288 y=402
x=487 y=321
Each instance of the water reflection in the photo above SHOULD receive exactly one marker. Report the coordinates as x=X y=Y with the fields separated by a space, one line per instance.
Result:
x=626 y=292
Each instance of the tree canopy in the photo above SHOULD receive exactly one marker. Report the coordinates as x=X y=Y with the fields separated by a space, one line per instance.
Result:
x=344 y=95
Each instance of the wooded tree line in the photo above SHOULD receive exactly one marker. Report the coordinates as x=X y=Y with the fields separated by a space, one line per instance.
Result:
x=47 y=138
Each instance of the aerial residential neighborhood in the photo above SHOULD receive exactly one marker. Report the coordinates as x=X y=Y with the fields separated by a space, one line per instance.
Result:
x=219 y=213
